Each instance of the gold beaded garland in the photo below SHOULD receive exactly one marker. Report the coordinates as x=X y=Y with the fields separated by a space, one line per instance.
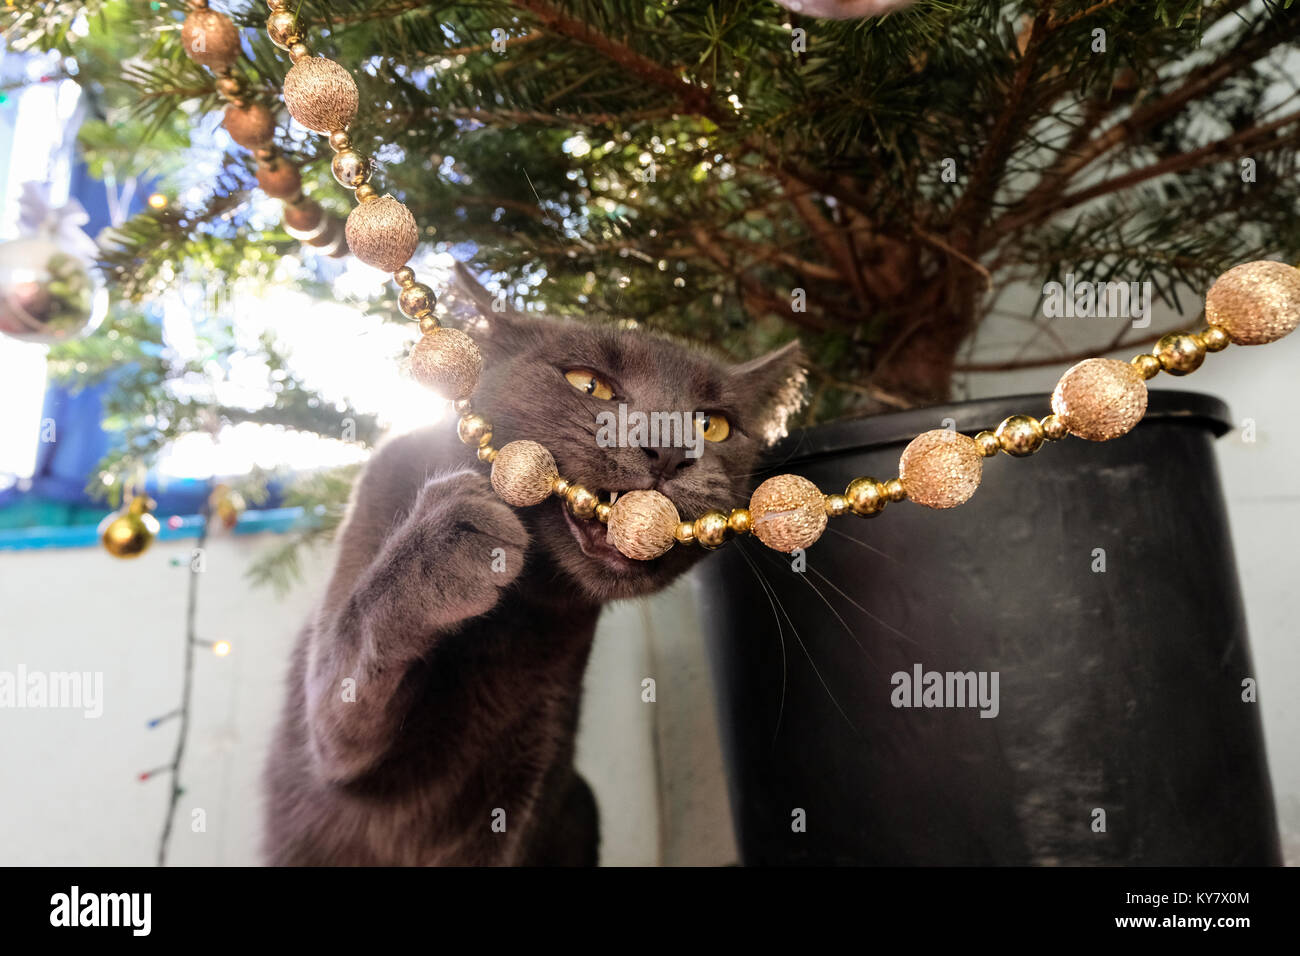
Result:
x=739 y=521
x=581 y=501
x=987 y=444
x=447 y=361
x=1148 y=365
x=210 y=39
x=1100 y=399
x=836 y=505
x=642 y=525
x=787 y=512
x=320 y=94
x=1256 y=302
x=684 y=533
x=940 y=468
x=524 y=473
x=350 y=167
x=282 y=28
x=250 y=125
x=416 y=299
x=304 y=216
x=382 y=233
x=474 y=430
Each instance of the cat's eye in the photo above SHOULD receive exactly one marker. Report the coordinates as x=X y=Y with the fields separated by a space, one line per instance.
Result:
x=586 y=381
x=715 y=427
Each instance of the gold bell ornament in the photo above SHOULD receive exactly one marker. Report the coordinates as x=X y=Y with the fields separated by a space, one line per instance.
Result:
x=129 y=532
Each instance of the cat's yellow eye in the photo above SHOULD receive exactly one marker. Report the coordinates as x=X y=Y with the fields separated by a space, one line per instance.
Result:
x=585 y=380
x=715 y=427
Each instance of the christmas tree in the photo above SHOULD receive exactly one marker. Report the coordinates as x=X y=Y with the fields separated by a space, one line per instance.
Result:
x=733 y=173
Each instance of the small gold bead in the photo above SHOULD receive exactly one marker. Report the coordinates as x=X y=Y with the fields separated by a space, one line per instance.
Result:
x=1053 y=428
x=561 y=486
x=581 y=501
x=230 y=86
x=351 y=168
x=366 y=192
x=865 y=497
x=340 y=140
x=894 y=490
x=1147 y=364
x=987 y=443
x=404 y=276
x=275 y=4
x=428 y=323
x=711 y=529
x=1020 y=435
x=1179 y=353
x=298 y=51
x=739 y=521
x=474 y=430
x=602 y=512
x=837 y=505
x=461 y=405
x=487 y=453
x=684 y=533
x=282 y=28
x=1215 y=339
x=416 y=299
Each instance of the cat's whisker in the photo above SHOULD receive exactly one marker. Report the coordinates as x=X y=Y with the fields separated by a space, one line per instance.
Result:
x=780 y=632
x=879 y=620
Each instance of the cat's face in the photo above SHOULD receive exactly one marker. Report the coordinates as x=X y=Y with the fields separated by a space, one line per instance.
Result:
x=582 y=390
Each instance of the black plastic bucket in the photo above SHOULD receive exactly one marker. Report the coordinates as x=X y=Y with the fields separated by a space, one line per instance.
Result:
x=1121 y=735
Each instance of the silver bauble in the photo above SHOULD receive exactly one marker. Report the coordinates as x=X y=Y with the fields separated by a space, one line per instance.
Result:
x=47 y=295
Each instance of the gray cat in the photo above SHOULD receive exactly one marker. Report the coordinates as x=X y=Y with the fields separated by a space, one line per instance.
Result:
x=468 y=678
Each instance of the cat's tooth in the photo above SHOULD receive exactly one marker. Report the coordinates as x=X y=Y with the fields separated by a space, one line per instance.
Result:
x=613 y=497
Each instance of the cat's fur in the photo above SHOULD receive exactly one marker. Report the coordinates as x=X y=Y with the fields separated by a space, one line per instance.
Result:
x=467 y=679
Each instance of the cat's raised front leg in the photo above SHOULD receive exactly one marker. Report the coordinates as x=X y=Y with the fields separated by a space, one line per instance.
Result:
x=445 y=563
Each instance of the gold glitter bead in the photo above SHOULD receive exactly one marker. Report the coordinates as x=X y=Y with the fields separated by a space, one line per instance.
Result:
x=836 y=505
x=581 y=501
x=642 y=525
x=865 y=497
x=416 y=299
x=602 y=512
x=788 y=513
x=350 y=167
x=279 y=179
x=474 y=430
x=1100 y=399
x=524 y=474
x=366 y=193
x=1215 y=339
x=1180 y=353
x=1019 y=436
x=940 y=468
x=739 y=521
x=382 y=233
x=1053 y=428
x=1148 y=365
x=987 y=444
x=487 y=453
x=282 y=28
x=429 y=323
x=684 y=533
x=210 y=39
x=711 y=529
x=560 y=486
x=448 y=362
x=250 y=126
x=320 y=94
x=1256 y=302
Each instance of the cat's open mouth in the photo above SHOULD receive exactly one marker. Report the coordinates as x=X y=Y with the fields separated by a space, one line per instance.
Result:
x=591 y=538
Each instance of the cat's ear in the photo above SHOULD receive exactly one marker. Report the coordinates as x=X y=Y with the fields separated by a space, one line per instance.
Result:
x=773 y=387
x=498 y=329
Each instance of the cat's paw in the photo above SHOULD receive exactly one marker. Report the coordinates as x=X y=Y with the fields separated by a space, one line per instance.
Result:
x=473 y=543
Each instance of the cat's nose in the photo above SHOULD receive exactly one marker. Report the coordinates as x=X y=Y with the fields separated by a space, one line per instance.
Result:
x=667 y=462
